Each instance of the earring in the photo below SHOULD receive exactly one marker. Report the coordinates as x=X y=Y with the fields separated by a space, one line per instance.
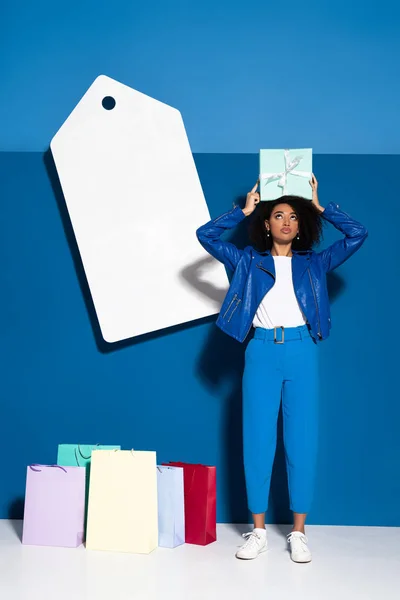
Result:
x=298 y=237
x=267 y=232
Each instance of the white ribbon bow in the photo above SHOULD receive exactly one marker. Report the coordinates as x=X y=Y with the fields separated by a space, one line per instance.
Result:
x=290 y=166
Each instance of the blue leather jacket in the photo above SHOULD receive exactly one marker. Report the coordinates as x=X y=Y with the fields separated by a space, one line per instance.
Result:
x=254 y=272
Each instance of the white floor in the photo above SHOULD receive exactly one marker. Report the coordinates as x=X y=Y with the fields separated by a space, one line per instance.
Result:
x=348 y=563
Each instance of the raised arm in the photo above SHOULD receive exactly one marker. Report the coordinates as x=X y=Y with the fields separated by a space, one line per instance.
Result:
x=355 y=235
x=209 y=235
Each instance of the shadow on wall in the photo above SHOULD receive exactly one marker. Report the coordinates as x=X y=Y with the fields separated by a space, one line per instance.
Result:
x=16 y=514
x=195 y=276
x=16 y=509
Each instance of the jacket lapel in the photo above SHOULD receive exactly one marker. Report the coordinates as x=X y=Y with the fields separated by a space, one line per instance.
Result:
x=300 y=264
x=265 y=262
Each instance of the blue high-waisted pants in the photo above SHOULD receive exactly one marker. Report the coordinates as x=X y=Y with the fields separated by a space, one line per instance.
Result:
x=275 y=372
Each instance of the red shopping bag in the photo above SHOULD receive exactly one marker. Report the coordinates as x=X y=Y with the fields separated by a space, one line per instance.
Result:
x=200 y=488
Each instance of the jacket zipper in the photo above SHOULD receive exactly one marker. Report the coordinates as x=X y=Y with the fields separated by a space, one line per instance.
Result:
x=316 y=305
x=224 y=215
x=232 y=301
x=237 y=304
x=269 y=272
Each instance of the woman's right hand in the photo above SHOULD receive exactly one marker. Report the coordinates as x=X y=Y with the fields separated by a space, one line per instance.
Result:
x=252 y=199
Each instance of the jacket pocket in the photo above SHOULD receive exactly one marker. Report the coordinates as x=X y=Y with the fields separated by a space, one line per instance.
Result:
x=232 y=307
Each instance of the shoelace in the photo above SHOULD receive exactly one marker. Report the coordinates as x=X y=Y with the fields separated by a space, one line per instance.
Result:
x=302 y=539
x=252 y=538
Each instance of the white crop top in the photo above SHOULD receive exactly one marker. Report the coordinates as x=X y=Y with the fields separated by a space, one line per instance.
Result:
x=279 y=306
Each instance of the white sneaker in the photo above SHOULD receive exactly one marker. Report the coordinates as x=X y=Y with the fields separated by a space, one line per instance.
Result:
x=256 y=542
x=299 y=550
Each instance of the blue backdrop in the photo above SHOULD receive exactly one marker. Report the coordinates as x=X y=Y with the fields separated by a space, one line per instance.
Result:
x=245 y=76
x=179 y=391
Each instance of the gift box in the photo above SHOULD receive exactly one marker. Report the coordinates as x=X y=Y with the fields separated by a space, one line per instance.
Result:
x=285 y=172
x=54 y=506
x=171 y=507
x=122 y=513
x=200 y=489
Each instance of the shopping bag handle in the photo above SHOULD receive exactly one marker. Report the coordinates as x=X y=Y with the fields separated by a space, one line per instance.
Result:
x=32 y=467
x=82 y=455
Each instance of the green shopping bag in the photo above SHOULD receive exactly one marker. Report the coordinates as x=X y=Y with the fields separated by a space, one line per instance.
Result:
x=79 y=455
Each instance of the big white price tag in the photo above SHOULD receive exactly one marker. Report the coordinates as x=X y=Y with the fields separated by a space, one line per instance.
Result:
x=135 y=201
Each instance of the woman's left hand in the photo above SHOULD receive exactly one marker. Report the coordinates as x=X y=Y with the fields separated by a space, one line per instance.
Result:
x=314 y=185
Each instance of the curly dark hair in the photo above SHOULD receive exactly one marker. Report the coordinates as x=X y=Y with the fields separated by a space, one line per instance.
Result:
x=310 y=223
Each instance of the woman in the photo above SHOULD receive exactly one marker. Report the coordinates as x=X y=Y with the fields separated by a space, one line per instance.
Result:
x=279 y=288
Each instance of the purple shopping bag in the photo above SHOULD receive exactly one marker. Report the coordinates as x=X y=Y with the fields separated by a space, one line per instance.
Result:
x=54 y=506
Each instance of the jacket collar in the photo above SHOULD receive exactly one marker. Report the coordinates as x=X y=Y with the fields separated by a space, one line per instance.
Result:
x=297 y=252
x=300 y=263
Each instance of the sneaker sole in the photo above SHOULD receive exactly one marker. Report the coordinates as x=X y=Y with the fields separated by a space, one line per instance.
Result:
x=251 y=557
x=302 y=561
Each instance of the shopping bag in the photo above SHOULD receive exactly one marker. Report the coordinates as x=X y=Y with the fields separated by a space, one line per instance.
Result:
x=80 y=455
x=122 y=512
x=171 y=506
x=200 y=483
x=54 y=506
